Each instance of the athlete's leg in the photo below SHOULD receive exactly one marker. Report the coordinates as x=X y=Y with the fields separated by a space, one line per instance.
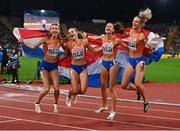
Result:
x=75 y=87
x=45 y=90
x=138 y=80
x=129 y=70
x=83 y=85
x=140 y=69
x=84 y=81
x=55 y=79
x=112 y=82
x=75 y=83
x=104 y=78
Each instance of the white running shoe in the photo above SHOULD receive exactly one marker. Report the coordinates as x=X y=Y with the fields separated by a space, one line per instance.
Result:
x=101 y=109
x=56 y=108
x=68 y=101
x=74 y=99
x=37 y=108
x=111 y=115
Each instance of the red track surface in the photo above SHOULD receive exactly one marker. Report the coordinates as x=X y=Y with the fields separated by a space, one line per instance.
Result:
x=17 y=111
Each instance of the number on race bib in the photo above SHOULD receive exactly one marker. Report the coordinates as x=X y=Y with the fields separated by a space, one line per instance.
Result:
x=52 y=51
x=107 y=48
x=132 y=45
x=78 y=53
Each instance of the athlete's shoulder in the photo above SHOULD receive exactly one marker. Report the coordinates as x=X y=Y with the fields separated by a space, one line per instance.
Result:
x=145 y=32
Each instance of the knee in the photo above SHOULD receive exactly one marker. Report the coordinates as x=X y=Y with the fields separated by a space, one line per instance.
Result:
x=56 y=91
x=103 y=88
x=56 y=87
x=46 y=90
x=123 y=86
x=82 y=92
x=111 y=86
x=103 y=85
x=111 y=89
x=138 y=84
x=76 y=91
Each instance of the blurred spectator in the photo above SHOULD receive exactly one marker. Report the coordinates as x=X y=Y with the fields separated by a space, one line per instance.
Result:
x=20 y=53
x=171 y=52
x=14 y=65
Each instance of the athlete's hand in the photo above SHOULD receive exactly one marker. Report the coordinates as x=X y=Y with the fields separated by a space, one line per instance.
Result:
x=84 y=34
x=21 y=41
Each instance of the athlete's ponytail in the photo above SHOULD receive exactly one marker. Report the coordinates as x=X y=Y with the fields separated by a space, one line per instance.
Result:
x=119 y=27
x=145 y=15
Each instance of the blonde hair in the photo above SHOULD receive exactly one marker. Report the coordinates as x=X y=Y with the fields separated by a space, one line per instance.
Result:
x=145 y=15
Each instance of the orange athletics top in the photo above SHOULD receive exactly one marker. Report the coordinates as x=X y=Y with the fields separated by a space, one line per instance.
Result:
x=108 y=46
x=136 y=43
x=51 y=50
x=77 y=49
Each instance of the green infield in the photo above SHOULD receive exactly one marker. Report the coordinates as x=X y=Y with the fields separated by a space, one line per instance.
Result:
x=166 y=70
x=27 y=70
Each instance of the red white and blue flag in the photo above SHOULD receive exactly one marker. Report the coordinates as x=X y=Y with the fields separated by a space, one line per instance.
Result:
x=93 y=59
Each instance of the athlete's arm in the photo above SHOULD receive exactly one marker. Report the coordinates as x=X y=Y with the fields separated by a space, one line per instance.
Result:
x=92 y=49
x=32 y=46
x=119 y=41
x=95 y=37
x=65 y=54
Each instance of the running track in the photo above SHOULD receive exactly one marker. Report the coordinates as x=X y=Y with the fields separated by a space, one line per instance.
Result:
x=17 y=110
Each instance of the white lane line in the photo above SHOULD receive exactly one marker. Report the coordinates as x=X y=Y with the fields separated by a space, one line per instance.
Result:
x=7 y=121
x=78 y=108
x=97 y=119
x=79 y=101
x=47 y=123
x=64 y=92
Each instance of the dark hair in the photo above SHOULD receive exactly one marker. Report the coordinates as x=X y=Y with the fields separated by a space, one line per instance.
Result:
x=73 y=28
x=16 y=50
x=119 y=27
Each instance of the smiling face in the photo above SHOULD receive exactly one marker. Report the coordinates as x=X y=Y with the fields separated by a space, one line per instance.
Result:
x=54 y=30
x=109 y=29
x=136 y=23
x=73 y=34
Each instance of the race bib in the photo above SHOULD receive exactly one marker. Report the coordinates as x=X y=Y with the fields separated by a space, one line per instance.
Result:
x=52 y=51
x=107 y=48
x=132 y=45
x=78 y=53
